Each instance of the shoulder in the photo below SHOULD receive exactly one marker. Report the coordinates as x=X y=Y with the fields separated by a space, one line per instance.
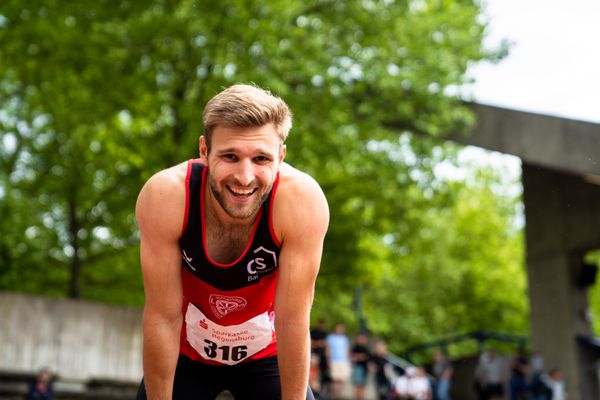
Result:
x=299 y=202
x=164 y=184
x=161 y=201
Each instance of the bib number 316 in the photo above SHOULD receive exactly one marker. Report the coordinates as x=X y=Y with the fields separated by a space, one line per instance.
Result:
x=225 y=353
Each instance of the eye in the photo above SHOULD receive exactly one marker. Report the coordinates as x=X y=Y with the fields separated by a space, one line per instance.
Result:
x=229 y=157
x=262 y=159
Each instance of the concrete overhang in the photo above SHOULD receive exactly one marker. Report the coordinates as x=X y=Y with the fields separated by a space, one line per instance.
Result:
x=552 y=142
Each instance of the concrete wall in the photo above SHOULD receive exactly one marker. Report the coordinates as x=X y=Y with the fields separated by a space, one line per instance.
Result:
x=562 y=224
x=547 y=141
x=75 y=339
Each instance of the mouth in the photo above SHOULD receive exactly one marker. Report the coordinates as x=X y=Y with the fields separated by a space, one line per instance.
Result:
x=241 y=192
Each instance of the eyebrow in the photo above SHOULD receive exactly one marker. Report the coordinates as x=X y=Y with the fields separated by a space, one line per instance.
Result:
x=261 y=151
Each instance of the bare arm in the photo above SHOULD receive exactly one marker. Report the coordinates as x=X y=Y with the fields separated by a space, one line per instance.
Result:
x=303 y=210
x=159 y=213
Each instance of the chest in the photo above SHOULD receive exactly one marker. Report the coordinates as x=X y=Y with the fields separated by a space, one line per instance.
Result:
x=225 y=245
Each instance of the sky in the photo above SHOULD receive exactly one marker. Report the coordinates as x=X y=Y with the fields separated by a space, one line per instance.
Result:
x=553 y=68
x=554 y=63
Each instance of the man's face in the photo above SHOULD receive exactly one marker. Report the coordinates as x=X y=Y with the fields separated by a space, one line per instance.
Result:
x=242 y=166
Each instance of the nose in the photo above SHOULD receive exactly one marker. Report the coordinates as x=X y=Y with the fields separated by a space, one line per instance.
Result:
x=244 y=173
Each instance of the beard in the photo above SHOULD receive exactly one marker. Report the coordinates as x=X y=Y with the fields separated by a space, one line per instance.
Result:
x=239 y=212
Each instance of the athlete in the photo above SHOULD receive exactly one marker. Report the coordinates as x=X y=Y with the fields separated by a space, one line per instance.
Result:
x=231 y=245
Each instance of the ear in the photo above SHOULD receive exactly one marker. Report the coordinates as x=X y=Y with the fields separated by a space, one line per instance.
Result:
x=282 y=152
x=203 y=150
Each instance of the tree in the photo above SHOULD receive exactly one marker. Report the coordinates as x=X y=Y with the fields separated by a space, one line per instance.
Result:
x=462 y=271
x=111 y=92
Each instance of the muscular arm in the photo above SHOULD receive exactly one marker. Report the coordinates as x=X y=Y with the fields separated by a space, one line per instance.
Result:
x=159 y=213
x=303 y=210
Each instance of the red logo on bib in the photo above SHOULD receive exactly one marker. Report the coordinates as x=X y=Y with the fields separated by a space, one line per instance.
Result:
x=203 y=324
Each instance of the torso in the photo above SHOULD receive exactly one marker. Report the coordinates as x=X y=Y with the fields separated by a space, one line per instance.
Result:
x=229 y=278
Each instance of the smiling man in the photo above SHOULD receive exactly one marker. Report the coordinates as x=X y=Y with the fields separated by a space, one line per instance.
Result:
x=231 y=245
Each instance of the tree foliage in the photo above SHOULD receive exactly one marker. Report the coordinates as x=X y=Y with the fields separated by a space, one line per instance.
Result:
x=98 y=95
x=462 y=271
x=593 y=257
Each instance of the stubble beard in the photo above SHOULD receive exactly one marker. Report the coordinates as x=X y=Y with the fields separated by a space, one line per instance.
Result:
x=235 y=212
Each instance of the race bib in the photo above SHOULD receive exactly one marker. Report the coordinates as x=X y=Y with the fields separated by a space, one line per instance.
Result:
x=227 y=344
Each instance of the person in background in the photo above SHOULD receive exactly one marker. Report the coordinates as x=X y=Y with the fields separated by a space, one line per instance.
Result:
x=41 y=388
x=318 y=345
x=519 y=388
x=442 y=372
x=491 y=376
x=314 y=377
x=548 y=386
x=413 y=385
x=557 y=385
x=360 y=355
x=420 y=387
x=539 y=385
x=338 y=348
x=383 y=371
x=403 y=383
x=536 y=363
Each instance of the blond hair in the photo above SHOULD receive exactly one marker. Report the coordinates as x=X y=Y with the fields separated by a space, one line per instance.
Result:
x=244 y=106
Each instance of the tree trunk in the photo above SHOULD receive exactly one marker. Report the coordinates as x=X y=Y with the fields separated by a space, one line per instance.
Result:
x=75 y=267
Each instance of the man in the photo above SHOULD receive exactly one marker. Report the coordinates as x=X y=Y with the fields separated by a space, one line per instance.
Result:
x=42 y=387
x=491 y=375
x=360 y=356
x=318 y=339
x=420 y=387
x=557 y=385
x=442 y=372
x=338 y=349
x=230 y=250
x=384 y=370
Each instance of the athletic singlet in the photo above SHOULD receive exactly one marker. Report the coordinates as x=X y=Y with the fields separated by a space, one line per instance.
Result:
x=228 y=308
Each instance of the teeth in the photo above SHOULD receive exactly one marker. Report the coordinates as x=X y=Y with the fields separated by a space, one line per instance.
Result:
x=244 y=192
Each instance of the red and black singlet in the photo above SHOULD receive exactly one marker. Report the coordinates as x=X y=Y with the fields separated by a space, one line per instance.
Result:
x=228 y=308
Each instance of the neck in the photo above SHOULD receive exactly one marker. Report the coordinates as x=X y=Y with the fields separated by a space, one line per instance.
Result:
x=217 y=216
x=226 y=237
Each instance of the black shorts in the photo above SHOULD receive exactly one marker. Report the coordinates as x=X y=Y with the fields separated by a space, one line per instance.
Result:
x=494 y=389
x=251 y=380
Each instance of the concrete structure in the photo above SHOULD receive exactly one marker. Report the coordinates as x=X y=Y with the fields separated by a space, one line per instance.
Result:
x=78 y=340
x=561 y=183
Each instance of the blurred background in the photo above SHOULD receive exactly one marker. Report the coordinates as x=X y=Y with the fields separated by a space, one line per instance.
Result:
x=427 y=237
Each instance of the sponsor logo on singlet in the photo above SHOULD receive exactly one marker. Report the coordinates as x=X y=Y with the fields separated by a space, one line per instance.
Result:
x=222 y=305
x=265 y=261
x=188 y=260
